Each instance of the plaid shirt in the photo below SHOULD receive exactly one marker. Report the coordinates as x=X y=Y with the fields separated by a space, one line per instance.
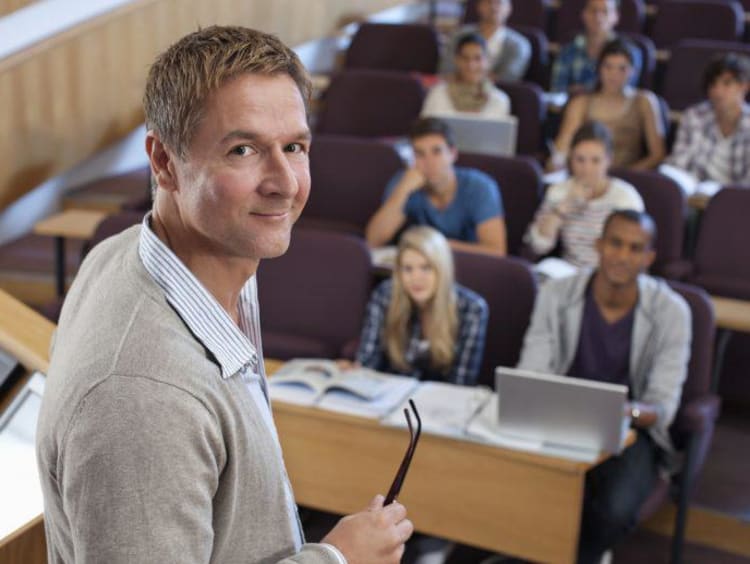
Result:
x=472 y=325
x=574 y=67
x=697 y=139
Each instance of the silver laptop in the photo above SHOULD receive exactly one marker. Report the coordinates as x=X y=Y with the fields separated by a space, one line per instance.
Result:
x=496 y=137
x=562 y=411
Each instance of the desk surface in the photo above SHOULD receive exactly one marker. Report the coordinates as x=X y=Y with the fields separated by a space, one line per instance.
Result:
x=510 y=501
x=732 y=314
x=73 y=224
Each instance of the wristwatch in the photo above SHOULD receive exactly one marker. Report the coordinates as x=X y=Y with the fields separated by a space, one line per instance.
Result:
x=635 y=413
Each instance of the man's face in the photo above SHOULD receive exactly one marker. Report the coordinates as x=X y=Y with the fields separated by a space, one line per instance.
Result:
x=495 y=12
x=472 y=63
x=433 y=158
x=726 y=93
x=600 y=16
x=624 y=252
x=245 y=178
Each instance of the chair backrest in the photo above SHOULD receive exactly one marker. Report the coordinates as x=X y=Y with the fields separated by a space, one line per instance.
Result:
x=531 y=13
x=538 y=71
x=394 y=47
x=508 y=286
x=697 y=19
x=520 y=181
x=721 y=263
x=648 y=57
x=349 y=175
x=698 y=381
x=312 y=298
x=527 y=104
x=371 y=104
x=683 y=78
x=666 y=204
x=568 y=17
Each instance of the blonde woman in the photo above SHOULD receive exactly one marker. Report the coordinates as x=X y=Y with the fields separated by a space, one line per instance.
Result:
x=420 y=322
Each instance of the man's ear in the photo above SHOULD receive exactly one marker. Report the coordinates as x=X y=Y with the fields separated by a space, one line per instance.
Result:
x=161 y=160
x=650 y=258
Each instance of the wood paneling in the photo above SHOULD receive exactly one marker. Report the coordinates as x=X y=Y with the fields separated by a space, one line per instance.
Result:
x=73 y=94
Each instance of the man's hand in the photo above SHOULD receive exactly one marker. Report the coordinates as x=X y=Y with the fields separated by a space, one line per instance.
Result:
x=375 y=535
x=411 y=181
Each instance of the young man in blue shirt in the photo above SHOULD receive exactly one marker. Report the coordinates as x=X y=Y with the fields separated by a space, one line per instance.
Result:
x=462 y=203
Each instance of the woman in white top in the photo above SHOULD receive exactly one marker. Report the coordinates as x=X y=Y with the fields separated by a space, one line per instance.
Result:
x=469 y=91
x=574 y=211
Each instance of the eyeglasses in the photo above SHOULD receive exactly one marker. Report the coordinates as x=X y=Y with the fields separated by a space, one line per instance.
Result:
x=398 y=481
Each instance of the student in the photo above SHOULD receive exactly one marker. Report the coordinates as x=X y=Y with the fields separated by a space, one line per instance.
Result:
x=468 y=91
x=462 y=203
x=509 y=52
x=713 y=140
x=420 y=322
x=615 y=324
x=574 y=70
x=156 y=441
x=574 y=211
x=633 y=116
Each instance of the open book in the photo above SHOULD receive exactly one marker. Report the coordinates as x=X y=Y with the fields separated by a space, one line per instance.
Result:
x=689 y=183
x=358 y=391
x=552 y=268
x=445 y=409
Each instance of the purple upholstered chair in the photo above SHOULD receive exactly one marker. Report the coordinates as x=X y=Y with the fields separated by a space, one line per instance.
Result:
x=520 y=181
x=665 y=202
x=721 y=263
x=532 y=13
x=509 y=288
x=693 y=427
x=349 y=175
x=527 y=104
x=648 y=57
x=568 y=17
x=370 y=103
x=538 y=71
x=697 y=19
x=394 y=47
x=312 y=299
x=683 y=78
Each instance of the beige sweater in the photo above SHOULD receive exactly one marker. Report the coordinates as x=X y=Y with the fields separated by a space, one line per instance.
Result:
x=145 y=453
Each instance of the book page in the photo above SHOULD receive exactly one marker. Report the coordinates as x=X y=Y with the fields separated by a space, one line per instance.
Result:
x=389 y=390
x=302 y=381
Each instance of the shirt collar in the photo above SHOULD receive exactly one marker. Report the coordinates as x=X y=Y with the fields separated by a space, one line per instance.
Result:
x=200 y=311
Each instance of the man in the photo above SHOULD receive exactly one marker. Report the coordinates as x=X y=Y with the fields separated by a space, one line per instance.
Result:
x=617 y=325
x=155 y=440
x=464 y=204
x=509 y=52
x=574 y=70
x=713 y=140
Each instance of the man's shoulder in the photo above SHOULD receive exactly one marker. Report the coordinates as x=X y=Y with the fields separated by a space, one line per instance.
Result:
x=474 y=180
x=517 y=39
x=566 y=290
x=702 y=111
x=661 y=302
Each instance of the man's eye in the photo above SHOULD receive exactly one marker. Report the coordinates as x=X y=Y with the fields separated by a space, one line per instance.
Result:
x=241 y=150
x=295 y=148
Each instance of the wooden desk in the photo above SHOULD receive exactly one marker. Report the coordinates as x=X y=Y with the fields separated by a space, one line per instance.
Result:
x=698 y=201
x=503 y=500
x=74 y=224
x=732 y=314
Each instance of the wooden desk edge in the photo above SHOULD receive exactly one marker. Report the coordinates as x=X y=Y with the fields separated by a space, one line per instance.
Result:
x=72 y=223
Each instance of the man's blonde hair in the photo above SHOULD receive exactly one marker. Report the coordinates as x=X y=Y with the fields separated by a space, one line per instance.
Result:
x=184 y=76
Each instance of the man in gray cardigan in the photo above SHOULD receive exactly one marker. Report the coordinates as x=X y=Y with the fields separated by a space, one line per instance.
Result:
x=155 y=440
x=508 y=50
x=617 y=325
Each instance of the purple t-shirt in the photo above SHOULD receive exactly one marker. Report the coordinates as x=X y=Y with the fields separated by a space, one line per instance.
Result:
x=603 y=352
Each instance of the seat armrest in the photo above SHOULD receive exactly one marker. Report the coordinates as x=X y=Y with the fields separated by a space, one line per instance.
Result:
x=679 y=269
x=699 y=414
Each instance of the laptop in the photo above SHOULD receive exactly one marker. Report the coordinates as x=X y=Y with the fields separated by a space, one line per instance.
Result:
x=561 y=411
x=495 y=137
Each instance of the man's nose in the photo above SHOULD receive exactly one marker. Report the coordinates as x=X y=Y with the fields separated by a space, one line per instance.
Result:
x=278 y=174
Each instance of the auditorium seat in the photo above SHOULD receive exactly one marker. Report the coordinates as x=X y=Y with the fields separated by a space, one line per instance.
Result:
x=313 y=298
x=508 y=286
x=532 y=13
x=538 y=71
x=666 y=203
x=349 y=175
x=371 y=103
x=693 y=427
x=520 y=181
x=697 y=19
x=721 y=263
x=394 y=47
x=648 y=57
x=683 y=79
x=527 y=104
